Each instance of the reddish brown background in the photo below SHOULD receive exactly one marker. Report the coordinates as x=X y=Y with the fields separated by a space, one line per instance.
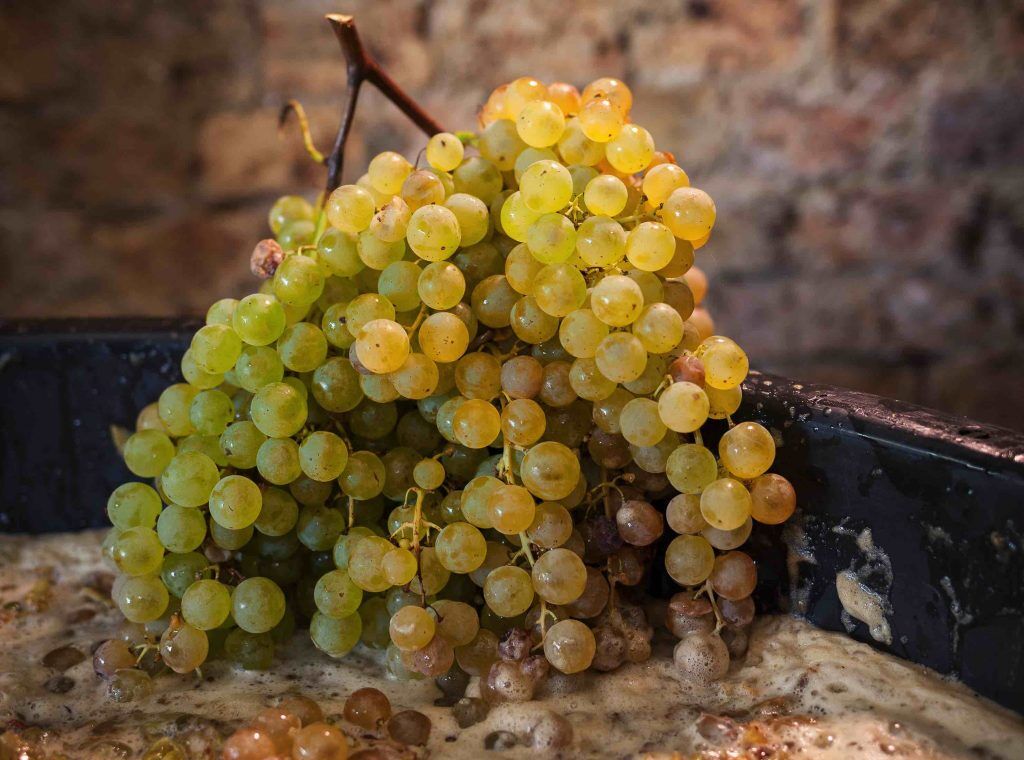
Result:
x=866 y=156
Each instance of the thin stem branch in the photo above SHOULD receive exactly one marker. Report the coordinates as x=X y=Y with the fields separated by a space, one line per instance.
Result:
x=360 y=67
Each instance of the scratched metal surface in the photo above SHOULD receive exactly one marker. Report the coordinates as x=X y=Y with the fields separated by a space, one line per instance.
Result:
x=940 y=496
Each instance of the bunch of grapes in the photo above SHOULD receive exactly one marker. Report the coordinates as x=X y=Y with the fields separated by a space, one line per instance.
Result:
x=460 y=410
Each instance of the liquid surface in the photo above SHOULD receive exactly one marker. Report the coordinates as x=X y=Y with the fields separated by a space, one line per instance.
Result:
x=799 y=692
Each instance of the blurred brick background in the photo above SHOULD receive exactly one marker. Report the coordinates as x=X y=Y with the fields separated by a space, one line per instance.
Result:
x=867 y=157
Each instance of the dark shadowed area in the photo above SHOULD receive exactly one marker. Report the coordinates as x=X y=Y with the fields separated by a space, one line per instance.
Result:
x=866 y=157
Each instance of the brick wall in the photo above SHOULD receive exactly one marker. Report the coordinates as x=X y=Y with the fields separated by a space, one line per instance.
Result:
x=867 y=157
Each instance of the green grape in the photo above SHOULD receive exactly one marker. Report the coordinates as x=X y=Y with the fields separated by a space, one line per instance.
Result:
x=389 y=225
x=334 y=637
x=412 y=628
x=206 y=604
x=475 y=498
x=617 y=300
x=241 y=443
x=476 y=424
x=581 y=177
x=517 y=218
x=350 y=208
x=377 y=254
x=559 y=576
x=375 y=619
x=683 y=514
x=650 y=284
x=179 y=571
x=417 y=377
x=382 y=345
x=521 y=269
x=257 y=605
x=278 y=514
x=689 y=213
x=278 y=461
x=295 y=234
x=661 y=180
x=508 y=591
x=511 y=509
x=552 y=525
x=318 y=527
x=363 y=476
x=259 y=319
x=650 y=246
x=725 y=363
x=441 y=285
x=570 y=646
x=601 y=242
x=621 y=357
x=258 y=366
x=576 y=148
x=211 y=412
x=529 y=157
x=559 y=289
x=631 y=150
x=422 y=188
x=428 y=474
x=387 y=171
x=278 y=410
x=606 y=412
x=189 y=479
x=196 y=376
x=605 y=195
x=546 y=186
x=540 y=123
x=551 y=239
x=531 y=323
x=550 y=470
x=235 y=502
x=725 y=504
x=457 y=622
x=492 y=301
x=443 y=337
x=690 y=468
x=588 y=382
x=500 y=144
x=581 y=332
x=174 y=405
x=460 y=547
x=336 y=385
x=689 y=560
x=432 y=577
x=342 y=550
x=288 y=208
x=338 y=253
x=434 y=233
x=148 y=452
x=444 y=151
x=298 y=282
x=137 y=551
x=399 y=284
x=600 y=120
x=640 y=423
x=654 y=459
x=215 y=348
x=323 y=456
x=659 y=328
x=478 y=262
x=478 y=375
x=336 y=595
x=722 y=404
x=473 y=216
x=478 y=177
x=378 y=388
x=181 y=529
x=133 y=505
x=204 y=444
x=142 y=599
x=372 y=420
x=302 y=347
x=252 y=651
x=683 y=407
x=228 y=538
x=365 y=563
x=747 y=450
x=523 y=422
x=399 y=566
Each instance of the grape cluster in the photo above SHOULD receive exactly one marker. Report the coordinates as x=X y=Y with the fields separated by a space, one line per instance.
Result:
x=464 y=403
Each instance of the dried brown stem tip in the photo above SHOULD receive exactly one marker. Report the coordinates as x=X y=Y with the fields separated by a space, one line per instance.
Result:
x=360 y=67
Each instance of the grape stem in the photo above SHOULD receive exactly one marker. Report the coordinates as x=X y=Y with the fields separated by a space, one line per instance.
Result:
x=706 y=589
x=361 y=67
x=525 y=550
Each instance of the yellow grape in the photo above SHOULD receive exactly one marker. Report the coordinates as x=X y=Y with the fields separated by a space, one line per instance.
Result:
x=689 y=213
x=725 y=504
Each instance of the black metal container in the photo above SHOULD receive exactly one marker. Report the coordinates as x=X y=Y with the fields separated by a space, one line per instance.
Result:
x=922 y=508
